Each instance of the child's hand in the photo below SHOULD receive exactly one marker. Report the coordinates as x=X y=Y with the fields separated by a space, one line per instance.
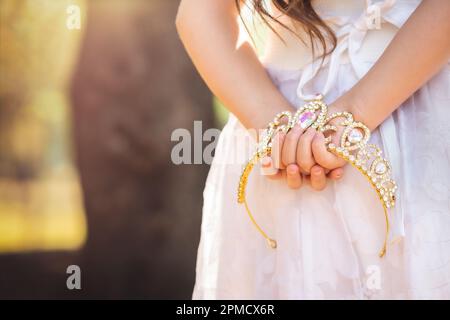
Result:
x=293 y=154
x=321 y=155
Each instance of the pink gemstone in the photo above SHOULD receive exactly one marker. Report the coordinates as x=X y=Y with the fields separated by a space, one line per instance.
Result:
x=306 y=119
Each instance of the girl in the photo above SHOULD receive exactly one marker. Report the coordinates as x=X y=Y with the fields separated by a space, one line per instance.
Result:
x=386 y=62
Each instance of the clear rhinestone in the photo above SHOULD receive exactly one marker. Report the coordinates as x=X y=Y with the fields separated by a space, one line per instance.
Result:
x=380 y=168
x=355 y=136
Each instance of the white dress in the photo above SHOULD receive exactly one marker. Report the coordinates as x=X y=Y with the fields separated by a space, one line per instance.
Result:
x=328 y=241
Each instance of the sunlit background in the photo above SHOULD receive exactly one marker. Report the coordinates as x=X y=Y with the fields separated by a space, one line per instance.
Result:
x=40 y=199
x=87 y=110
x=90 y=92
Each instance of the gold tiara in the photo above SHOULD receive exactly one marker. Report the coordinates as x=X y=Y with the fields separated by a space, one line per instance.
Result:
x=353 y=147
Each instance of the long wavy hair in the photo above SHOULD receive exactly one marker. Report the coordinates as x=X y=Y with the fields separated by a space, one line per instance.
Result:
x=303 y=12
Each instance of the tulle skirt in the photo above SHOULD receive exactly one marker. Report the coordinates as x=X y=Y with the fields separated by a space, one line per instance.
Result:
x=328 y=241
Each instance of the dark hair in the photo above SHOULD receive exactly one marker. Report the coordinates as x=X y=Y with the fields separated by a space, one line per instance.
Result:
x=303 y=12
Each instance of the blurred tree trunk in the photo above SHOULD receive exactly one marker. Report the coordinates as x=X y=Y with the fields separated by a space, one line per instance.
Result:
x=132 y=87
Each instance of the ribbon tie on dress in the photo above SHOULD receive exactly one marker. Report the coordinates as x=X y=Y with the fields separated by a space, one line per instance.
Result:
x=350 y=35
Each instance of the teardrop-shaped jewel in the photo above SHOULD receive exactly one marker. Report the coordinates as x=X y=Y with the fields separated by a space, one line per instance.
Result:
x=355 y=136
x=380 y=168
x=307 y=118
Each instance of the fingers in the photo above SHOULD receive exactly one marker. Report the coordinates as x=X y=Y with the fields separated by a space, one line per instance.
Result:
x=289 y=150
x=293 y=176
x=268 y=170
x=322 y=156
x=277 y=146
x=336 y=174
x=292 y=173
x=318 y=178
x=298 y=152
x=305 y=158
